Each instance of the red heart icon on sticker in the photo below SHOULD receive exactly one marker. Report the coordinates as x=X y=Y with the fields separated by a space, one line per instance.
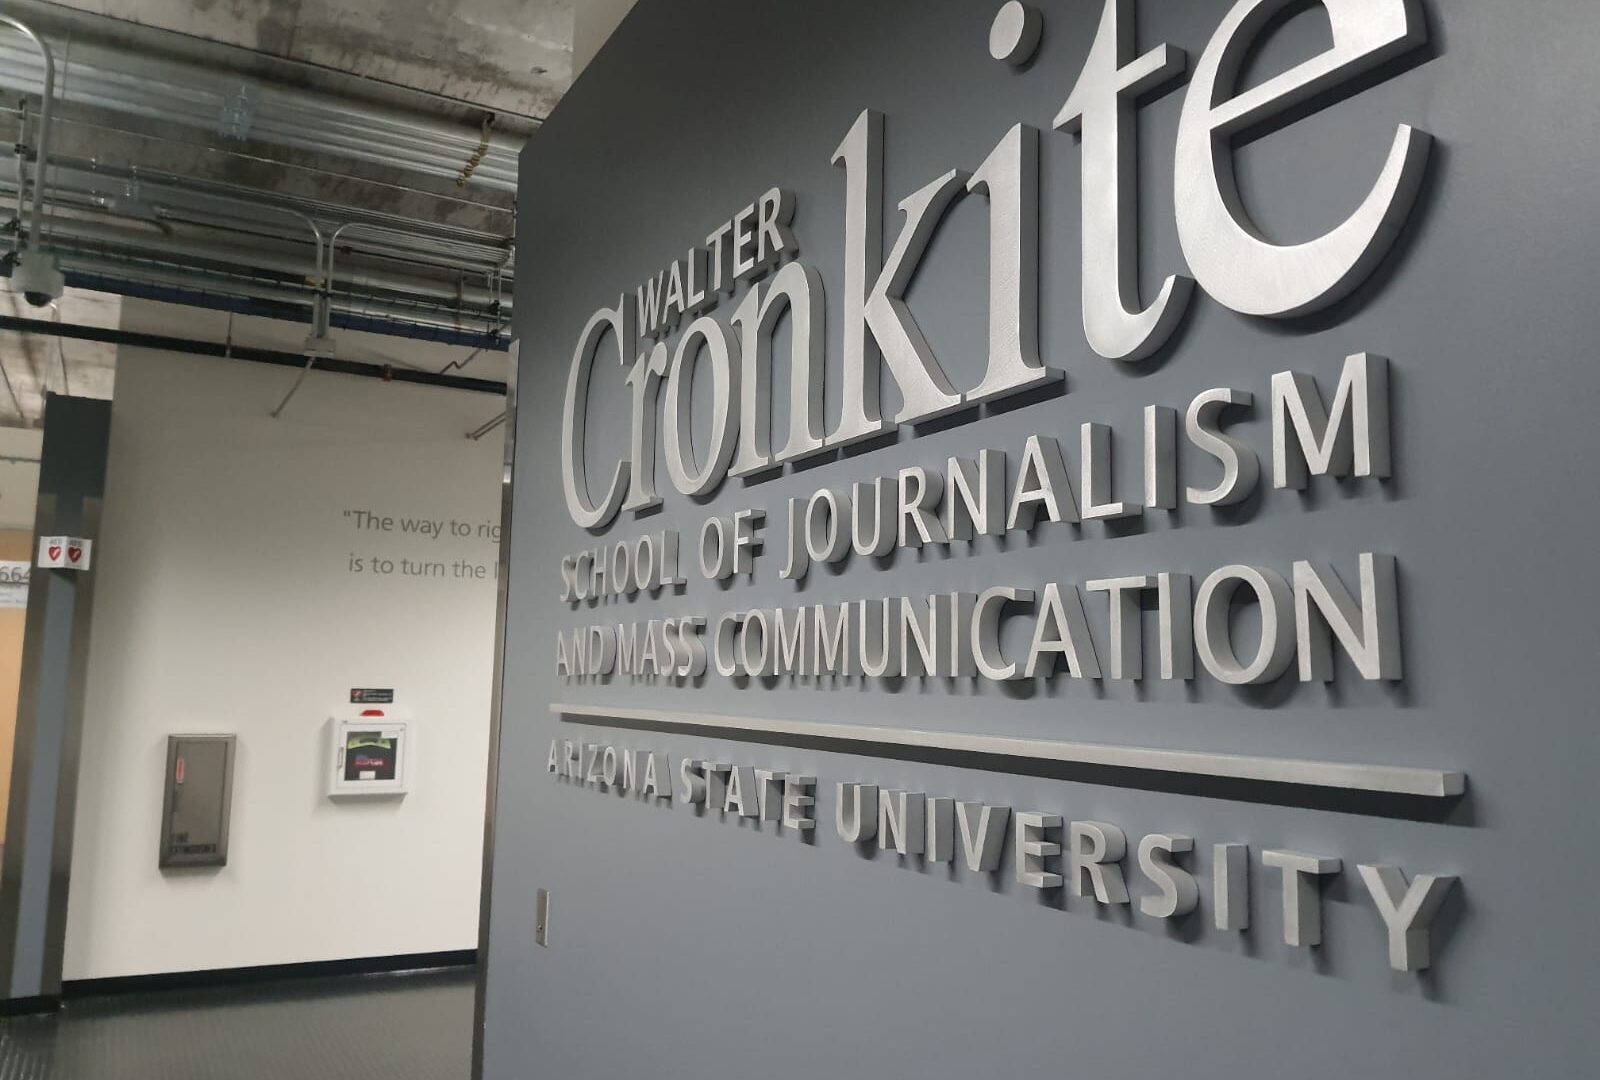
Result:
x=55 y=551
x=74 y=553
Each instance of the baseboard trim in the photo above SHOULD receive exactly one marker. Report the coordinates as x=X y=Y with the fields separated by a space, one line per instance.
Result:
x=405 y=963
x=30 y=1006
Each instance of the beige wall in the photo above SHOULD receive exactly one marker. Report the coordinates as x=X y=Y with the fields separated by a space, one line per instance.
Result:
x=14 y=544
x=593 y=22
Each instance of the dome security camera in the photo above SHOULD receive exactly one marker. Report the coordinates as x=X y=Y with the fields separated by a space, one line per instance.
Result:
x=37 y=277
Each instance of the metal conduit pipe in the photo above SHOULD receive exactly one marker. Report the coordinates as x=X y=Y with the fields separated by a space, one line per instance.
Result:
x=90 y=237
x=112 y=73
x=200 y=90
x=125 y=83
x=46 y=112
x=91 y=177
x=73 y=234
x=256 y=194
x=502 y=179
x=489 y=263
x=86 y=263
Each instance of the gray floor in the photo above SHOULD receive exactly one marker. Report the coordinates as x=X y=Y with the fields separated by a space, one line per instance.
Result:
x=394 y=1027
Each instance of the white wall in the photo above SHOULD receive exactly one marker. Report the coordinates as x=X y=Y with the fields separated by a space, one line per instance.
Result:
x=19 y=476
x=224 y=603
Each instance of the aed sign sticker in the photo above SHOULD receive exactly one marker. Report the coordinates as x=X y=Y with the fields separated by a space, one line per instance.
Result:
x=64 y=552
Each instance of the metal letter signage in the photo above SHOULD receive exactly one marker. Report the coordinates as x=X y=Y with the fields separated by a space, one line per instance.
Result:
x=1232 y=260
x=744 y=315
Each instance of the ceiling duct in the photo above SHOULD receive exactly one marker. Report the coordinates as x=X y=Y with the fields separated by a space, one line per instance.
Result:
x=204 y=173
x=36 y=275
x=219 y=103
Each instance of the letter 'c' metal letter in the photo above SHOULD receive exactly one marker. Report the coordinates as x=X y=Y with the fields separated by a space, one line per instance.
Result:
x=573 y=419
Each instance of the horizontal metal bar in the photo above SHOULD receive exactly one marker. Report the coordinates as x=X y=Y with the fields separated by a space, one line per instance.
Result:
x=1383 y=779
x=117 y=336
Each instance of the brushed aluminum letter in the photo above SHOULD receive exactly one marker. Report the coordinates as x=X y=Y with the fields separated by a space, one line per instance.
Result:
x=917 y=514
x=1407 y=911
x=940 y=829
x=1349 y=439
x=1230 y=886
x=1101 y=112
x=644 y=380
x=797 y=289
x=769 y=794
x=983 y=830
x=1127 y=626
x=1375 y=647
x=878 y=644
x=986 y=631
x=1179 y=893
x=861 y=157
x=657 y=777
x=1160 y=457
x=925 y=389
x=1094 y=445
x=1213 y=635
x=797 y=803
x=881 y=516
x=1042 y=481
x=957 y=607
x=975 y=501
x=902 y=820
x=831 y=652
x=755 y=628
x=919 y=641
x=742 y=797
x=716 y=774
x=722 y=350
x=855 y=813
x=1302 y=899
x=1097 y=848
x=789 y=641
x=1226 y=251
x=1240 y=466
x=799 y=557
x=1031 y=851
x=827 y=536
x=1014 y=34
x=1062 y=629
x=1009 y=176
x=692 y=771
x=1175 y=624
x=722 y=641
x=574 y=418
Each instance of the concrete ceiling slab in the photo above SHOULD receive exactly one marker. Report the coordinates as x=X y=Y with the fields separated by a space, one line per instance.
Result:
x=504 y=55
x=32 y=365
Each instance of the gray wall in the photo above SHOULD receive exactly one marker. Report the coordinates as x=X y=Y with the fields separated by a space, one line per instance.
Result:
x=44 y=770
x=686 y=945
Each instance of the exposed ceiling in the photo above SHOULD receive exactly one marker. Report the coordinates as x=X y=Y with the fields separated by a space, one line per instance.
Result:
x=32 y=365
x=204 y=151
x=509 y=56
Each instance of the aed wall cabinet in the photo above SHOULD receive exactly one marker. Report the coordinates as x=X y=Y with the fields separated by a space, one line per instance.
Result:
x=370 y=752
x=198 y=800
